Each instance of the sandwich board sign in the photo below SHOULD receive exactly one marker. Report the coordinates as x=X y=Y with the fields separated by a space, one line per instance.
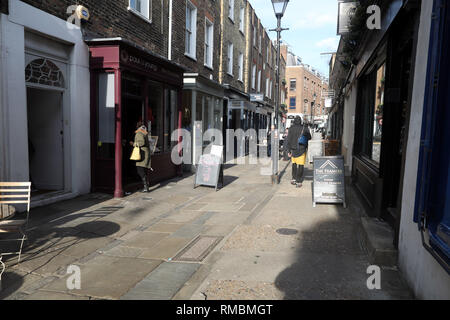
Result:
x=209 y=168
x=329 y=180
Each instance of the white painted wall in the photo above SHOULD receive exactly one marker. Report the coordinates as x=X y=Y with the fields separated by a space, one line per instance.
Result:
x=424 y=275
x=13 y=131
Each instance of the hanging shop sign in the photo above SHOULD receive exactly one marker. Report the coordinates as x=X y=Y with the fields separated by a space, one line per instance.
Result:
x=346 y=11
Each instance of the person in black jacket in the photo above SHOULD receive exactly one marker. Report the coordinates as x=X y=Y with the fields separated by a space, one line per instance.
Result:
x=297 y=152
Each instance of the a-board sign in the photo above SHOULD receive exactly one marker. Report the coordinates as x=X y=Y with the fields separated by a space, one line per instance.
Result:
x=329 y=180
x=209 y=169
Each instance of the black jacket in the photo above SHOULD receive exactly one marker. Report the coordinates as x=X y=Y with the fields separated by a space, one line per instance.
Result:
x=295 y=132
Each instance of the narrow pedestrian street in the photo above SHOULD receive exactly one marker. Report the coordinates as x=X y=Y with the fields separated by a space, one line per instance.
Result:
x=249 y=240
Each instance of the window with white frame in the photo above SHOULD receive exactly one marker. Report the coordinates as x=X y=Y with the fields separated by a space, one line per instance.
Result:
x=259 y=81
x=267 y=87
x=254 y=36
x=141 y=8
x=209 y=41
x=231 y=9
x=267 y=54
x=270 y=91
x=241 y=19
x=259 y=44
x=230 y=59
x=253 y=76
x=241 y=67
x=191 y=29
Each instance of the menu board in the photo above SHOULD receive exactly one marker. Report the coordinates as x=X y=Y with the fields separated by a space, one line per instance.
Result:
x=329 y=180
x=209 y=170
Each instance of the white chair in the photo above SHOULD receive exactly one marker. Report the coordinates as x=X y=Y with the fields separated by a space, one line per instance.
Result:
x=14 y=193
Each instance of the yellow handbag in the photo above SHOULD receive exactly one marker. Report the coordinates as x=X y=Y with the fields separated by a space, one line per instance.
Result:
x=136 y=154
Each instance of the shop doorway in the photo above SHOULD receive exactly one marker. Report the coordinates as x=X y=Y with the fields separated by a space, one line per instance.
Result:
x=133 y=112
x=45 y=140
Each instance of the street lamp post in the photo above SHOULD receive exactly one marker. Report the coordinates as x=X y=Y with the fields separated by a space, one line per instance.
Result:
x=312 y=109
x=279 y=7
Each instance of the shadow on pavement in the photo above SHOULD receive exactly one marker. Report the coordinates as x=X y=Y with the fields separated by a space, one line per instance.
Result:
x=10 y=283
x=58 y=235
x=331 y=262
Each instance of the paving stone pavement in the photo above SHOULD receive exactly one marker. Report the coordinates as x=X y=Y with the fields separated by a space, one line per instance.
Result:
x=126 y=248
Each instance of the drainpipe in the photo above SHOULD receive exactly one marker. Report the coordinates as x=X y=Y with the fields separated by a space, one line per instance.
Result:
x=169 y=54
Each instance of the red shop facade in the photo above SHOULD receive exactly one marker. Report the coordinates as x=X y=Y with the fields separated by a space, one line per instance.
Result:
x=130 y=84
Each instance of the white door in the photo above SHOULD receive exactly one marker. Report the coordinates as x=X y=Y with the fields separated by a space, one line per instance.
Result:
x=45 y=132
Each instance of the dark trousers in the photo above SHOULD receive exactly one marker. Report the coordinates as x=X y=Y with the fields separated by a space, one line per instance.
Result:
x=142 y=172
x=297 y=173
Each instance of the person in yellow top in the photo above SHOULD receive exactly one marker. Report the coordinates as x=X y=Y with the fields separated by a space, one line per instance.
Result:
x=144 y=165
x=297 y=151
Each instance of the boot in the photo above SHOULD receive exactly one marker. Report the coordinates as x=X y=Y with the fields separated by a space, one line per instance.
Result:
x=145 y=190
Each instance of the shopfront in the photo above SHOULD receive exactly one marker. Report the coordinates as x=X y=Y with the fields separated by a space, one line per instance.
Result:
x=202 y=111
x=382 y=114
x=129 y=85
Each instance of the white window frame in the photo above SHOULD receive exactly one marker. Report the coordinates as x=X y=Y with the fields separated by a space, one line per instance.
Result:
x=241 y=67
x=143 y=14
x=231 y=9
x=267 y=87
x=254 y=76
x=209 y=43
x=259 y=43
x=259 y=81
x=254 y=36
x=230 y=58
x=242 y=20
x=191 y=51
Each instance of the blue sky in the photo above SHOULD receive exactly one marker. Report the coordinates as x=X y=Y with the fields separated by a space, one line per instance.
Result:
x=312 y=28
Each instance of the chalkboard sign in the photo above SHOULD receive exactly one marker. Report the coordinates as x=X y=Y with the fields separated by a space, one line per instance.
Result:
x=209 y=170
x=329 y=180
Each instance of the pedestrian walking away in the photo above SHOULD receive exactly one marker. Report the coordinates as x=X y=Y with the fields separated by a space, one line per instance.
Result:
x=144 y=164
x=297 y=146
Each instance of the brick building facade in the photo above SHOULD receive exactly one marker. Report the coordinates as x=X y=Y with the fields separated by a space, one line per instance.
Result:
x=111 y=19
x=305 y=88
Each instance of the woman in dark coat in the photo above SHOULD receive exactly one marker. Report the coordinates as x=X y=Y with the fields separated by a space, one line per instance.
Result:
x=297 y=151
x=141 y=141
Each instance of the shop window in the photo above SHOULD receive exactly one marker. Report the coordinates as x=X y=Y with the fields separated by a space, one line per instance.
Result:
x=371 y=115
x=155 y=116
x=171 y=120
x=105 y=116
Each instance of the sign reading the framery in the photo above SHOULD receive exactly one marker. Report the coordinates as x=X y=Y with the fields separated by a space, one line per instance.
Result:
x=346 y=12
x=329 y=180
